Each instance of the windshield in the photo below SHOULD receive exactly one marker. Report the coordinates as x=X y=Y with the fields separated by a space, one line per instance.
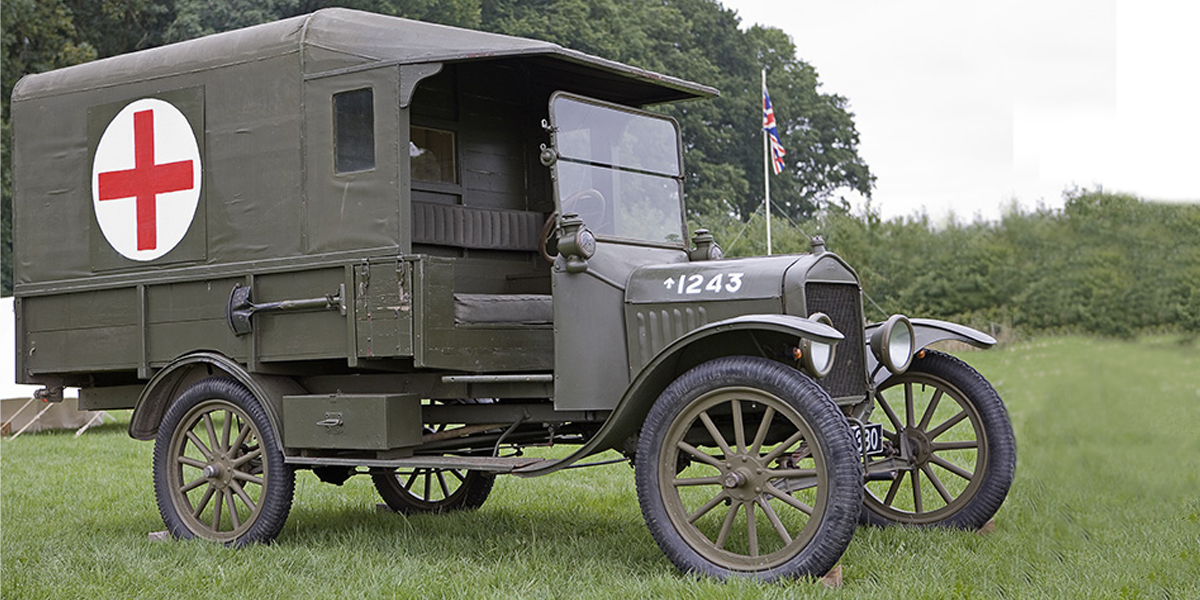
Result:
x=618 y=169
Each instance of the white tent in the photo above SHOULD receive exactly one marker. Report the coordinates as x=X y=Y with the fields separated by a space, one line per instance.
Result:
x=8 y=365
x=17 y=412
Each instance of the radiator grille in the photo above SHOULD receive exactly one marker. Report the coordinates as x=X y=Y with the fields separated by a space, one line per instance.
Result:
x=843 y=304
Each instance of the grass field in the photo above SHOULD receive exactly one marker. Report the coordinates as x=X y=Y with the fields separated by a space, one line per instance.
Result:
x=1106 y=504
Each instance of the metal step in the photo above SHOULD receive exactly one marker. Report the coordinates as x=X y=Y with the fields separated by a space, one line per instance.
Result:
x=532 y=378
x=474 y=463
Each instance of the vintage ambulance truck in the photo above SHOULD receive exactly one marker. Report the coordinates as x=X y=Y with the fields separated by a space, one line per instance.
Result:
x=358 y=244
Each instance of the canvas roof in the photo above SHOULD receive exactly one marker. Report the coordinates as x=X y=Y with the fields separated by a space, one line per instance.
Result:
x=336 y=40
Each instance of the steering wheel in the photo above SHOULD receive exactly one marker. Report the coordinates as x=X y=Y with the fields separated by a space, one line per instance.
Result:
x=544 y=238
x=590 y=205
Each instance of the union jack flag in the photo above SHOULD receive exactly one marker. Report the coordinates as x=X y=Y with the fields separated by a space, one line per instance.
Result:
x=777 y=151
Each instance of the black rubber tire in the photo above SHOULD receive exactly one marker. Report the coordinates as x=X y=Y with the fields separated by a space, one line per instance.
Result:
x=264 y=478
x=835 y=491
x=973 y=505
x=473 y=488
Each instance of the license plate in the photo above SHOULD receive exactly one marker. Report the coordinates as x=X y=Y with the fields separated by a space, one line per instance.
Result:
x=870 y=438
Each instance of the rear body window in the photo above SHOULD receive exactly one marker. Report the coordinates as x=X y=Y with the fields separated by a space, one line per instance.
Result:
x=432 y=154
x=354 y=131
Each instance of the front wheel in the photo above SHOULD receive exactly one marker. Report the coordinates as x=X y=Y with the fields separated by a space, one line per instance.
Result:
x=950 y=453
x=218 y=473
x=745 y=467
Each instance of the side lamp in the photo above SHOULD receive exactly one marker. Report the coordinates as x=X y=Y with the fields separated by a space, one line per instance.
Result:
x=893 y=343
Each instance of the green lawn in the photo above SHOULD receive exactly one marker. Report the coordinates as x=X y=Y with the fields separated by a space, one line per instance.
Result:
x=1106 y=504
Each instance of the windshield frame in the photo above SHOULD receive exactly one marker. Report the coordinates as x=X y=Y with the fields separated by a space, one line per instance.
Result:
x=677 y=179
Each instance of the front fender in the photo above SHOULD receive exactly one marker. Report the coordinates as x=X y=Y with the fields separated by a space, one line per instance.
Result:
x=788 y=324
x=926 y=332
x=738 y=335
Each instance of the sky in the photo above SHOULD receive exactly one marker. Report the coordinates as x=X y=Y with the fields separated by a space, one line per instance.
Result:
x=964 y=107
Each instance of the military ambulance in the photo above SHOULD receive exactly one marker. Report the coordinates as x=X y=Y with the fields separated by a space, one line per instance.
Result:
x=357 y=244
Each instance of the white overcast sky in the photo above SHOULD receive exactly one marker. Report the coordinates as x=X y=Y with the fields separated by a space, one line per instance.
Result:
x=963 y=106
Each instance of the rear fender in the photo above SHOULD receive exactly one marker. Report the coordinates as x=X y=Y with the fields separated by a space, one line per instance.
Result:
x=743 y=335
x=172 y=380
x=926 y=332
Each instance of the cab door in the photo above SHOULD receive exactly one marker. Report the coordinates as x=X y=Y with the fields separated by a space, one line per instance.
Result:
x=620 y=170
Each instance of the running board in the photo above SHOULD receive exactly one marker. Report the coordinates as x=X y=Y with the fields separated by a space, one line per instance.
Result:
x=473 y=463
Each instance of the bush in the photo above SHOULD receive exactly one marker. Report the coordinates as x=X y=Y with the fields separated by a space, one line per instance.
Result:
x=1108 y=264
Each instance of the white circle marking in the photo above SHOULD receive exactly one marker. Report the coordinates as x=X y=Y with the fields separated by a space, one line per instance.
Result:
x=168 y=151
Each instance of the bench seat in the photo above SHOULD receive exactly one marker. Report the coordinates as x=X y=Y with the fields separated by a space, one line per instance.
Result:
x=503 y=309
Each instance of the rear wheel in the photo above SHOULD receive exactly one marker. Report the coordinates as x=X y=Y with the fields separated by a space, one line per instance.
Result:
x=746 y=468
x=950 y=449
x=218 y=473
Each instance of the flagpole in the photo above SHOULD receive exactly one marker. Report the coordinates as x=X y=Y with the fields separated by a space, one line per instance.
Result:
x=767 y=169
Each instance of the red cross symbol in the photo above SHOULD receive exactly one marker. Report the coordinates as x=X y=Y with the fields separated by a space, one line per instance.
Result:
x=146 y=180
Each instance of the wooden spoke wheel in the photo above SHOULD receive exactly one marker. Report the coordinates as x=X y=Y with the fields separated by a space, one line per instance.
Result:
x=746 y=468
x=218 y=473
x=430 y=490
x=949 y=448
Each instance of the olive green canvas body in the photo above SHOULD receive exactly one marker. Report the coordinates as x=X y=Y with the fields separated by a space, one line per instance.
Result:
x=271 y=207
x=306 y=275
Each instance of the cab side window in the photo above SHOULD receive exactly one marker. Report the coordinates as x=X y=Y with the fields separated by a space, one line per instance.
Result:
x=432 y=154
x=354 y=131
